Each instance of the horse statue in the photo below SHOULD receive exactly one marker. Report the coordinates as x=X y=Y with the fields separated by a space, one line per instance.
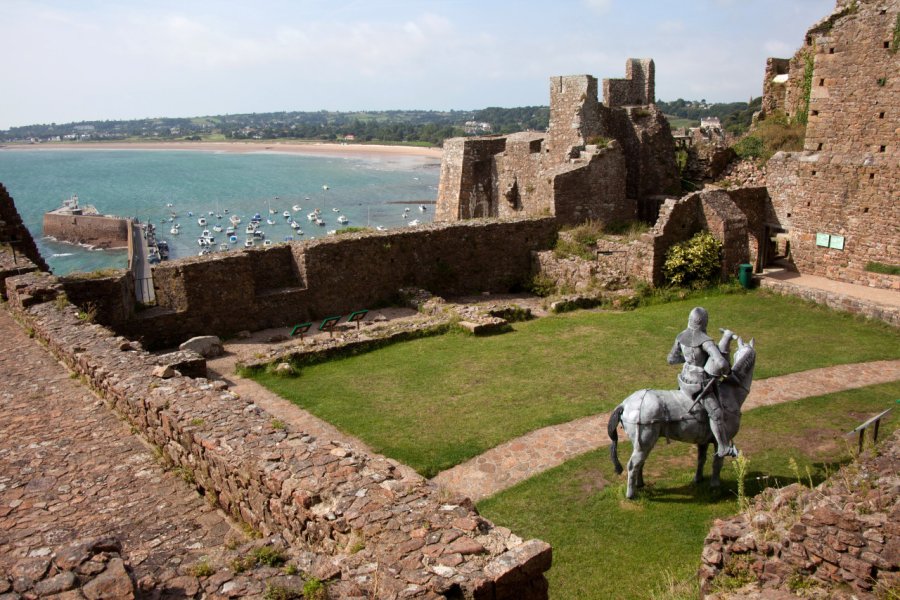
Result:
x=648 y=414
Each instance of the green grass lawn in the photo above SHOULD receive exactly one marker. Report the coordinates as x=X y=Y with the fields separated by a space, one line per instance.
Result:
x=435 y=402
x=607 y=547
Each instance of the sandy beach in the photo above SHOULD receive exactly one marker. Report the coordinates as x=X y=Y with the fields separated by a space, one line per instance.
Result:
x=245 y=147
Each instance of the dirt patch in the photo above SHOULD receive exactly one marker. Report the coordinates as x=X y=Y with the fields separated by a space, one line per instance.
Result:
x=591 y=482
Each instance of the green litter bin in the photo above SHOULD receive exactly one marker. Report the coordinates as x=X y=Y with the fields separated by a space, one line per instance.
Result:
x=745 y=275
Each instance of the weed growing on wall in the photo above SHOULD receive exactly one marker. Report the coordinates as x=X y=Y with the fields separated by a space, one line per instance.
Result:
x=808 y=67
x=695 y=262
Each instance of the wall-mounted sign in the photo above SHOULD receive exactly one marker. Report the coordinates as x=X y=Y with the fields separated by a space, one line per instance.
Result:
x=822 y=239
x=837 y=242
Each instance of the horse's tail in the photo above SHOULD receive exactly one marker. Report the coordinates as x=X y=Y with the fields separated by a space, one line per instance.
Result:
x=612 y=430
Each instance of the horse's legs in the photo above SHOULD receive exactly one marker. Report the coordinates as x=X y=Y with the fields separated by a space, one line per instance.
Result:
x=635 y=464
x=718 y=461
x=701 y=461
x=643 y=444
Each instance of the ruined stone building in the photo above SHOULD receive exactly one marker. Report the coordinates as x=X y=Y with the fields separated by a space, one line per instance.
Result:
x=603 y=161
x=837 y=201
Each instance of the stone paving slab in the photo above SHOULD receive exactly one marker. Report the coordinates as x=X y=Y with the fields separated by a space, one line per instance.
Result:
x=70 y=468
x=535 y=452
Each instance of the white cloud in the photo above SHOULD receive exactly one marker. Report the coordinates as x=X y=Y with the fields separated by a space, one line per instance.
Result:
x=599 y=6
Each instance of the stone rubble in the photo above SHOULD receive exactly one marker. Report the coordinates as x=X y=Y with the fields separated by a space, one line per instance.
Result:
x=840 y=539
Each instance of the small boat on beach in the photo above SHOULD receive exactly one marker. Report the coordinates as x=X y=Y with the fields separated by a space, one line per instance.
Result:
x=286 y=214
x=201 y=222
x=248 y=243
x=413 y=223
x=343 y=220
x=422 y=207
x=217 y=228
x=234 y=220
x=233 y=239
x=296 y=208
x=270 y=222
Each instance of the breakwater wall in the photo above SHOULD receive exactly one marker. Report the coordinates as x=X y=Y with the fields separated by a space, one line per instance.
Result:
x=94 y=230
x=287 y=284
x=381 y=530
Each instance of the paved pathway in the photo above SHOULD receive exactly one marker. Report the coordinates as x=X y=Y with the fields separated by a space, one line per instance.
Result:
x=70 y=468
x=517 y=460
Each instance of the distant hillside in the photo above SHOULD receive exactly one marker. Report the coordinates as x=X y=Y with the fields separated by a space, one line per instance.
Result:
x=391 y=126
x=408 y=126
x=735 y=116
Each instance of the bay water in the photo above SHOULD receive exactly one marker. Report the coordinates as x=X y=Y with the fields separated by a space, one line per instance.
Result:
x=371 y=190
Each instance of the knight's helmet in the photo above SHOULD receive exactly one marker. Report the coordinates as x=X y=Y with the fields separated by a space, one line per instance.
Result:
x=698 y=319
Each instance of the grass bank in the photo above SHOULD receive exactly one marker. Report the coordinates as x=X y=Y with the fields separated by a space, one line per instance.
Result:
x=433 y=403
x=600 y=540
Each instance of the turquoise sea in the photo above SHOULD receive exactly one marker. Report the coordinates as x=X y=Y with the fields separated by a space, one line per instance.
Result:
x=373 y=191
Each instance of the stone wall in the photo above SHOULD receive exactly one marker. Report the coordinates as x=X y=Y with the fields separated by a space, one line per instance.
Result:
x=679 y=220
x=845 y=183
x=467 y=174
x=649 y=149
x=319 y=495
x=13 y=231
x=842 y=538
x=94 y=230
x=774 y=90
x=592 y=187
x=291 y=283
x=637 y=89
x=836 y=301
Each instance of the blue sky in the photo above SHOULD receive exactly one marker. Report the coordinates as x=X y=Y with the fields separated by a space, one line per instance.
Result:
x=72 y=60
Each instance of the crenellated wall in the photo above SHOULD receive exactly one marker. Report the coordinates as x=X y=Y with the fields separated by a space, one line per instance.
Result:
x=319 y=495
x=537 y=174
x=638 y=88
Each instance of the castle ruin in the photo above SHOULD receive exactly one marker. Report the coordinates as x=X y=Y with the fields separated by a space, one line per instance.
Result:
x=609 y=161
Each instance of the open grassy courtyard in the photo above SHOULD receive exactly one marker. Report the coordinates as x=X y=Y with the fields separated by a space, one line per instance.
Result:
x=435 y=402
x=607 y=547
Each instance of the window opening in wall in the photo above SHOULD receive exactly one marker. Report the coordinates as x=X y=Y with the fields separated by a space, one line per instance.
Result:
x=789 y=215
x=821 y=82
x=882 y=148
x=871 y=176
x=815 y=113
x=814 y=173
x=831 y=51
x=808 y=203
x=881 y=115
x=866 y=209
x=819 y=147
x=887 y=45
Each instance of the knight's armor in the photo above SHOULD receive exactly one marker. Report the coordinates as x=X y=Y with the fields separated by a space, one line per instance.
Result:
x=703 y=362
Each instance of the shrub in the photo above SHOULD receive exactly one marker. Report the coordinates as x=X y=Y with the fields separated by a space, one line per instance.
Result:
x=769 y=136
x=696 y=262
x=542 y=286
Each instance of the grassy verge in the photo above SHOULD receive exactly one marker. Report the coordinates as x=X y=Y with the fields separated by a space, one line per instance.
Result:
x=432 y=403
x=600 y=540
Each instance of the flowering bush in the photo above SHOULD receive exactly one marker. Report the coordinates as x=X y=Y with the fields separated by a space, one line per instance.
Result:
x=696 y=262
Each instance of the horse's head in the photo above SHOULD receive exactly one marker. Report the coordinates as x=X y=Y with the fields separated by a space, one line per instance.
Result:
x=743 y=363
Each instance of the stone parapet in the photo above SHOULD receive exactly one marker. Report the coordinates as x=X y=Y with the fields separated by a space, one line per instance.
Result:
x=319 y=495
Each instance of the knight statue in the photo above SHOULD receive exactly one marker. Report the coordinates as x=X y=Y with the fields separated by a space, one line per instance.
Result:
x=704 y=363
